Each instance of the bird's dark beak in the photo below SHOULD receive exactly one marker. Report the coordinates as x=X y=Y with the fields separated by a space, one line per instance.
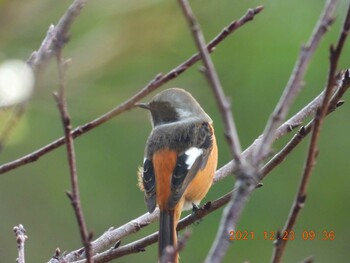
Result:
x=143 y=105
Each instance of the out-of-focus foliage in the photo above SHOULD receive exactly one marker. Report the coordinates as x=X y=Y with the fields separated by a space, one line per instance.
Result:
x=116 y=48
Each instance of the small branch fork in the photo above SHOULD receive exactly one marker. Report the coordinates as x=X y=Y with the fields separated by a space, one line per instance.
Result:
x=294 y=84
x=74 y=195
x=21 y=238
x=313 y=150
x=39 y=59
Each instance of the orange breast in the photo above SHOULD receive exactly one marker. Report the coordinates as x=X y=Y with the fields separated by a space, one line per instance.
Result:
x=200 y=185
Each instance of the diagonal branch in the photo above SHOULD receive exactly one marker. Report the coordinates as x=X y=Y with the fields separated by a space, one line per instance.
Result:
x=294 y=84
x=39 y=58
x=158 y=81
x=305 y=130
x=74 y=195
x=300 y=198
x=249 y=176
x=214 y=81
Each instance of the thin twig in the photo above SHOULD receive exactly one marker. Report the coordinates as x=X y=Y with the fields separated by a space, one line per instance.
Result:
x=294 y=84
x=158 y=81
x=305 y=130
x=214 y=81
x=74 y=195
x=21 y=238
x=300 y=198
x=38 y=59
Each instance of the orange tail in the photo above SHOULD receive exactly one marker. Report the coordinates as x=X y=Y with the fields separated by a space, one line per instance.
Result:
x=167 y=232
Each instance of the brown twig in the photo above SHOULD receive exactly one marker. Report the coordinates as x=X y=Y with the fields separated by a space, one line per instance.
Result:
x=249 y=176
x=294 y=84
x=38 y=59
x=74 y=195
x=300 y=198
x=305 y=130
x=21 y=238
x=158 y=81
x=214 y=81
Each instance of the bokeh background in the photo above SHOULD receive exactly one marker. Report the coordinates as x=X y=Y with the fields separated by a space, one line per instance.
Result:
x=116 y=48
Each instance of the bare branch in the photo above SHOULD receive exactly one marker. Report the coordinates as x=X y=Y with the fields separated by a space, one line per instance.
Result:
x=214 y=81
x=39 y=58
x=300 y=198
x=248 y=175
x=158 y=81
x=21 y=238
x=74 y=196
x=305 y=130
x=294 y=84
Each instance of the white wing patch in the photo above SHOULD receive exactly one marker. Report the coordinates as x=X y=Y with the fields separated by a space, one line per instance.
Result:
x=193 y=153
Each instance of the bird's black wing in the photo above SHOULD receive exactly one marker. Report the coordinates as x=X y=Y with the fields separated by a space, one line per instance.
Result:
x=190 y=160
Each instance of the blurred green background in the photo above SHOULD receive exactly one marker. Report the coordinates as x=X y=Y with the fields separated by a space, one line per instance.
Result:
x=117 y=47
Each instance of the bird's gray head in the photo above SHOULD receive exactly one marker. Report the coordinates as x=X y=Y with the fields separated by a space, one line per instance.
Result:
x=174 y=105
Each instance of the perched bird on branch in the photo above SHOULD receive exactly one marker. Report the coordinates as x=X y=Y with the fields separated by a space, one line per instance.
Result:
x=180 y=160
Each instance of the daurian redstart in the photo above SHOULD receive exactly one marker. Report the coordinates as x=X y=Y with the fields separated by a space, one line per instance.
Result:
x=180 y=159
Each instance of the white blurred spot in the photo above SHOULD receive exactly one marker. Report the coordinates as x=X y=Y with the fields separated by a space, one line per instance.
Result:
x=16 y=82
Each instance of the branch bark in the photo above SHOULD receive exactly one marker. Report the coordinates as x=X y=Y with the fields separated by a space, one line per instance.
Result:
x=294 y=84
x=21 y=238
x=214 y=81
x=74 y=195
x=300 y=198
x=46 y=51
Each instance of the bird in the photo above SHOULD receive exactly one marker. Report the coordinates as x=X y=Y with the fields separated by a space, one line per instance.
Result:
x=180 y=160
